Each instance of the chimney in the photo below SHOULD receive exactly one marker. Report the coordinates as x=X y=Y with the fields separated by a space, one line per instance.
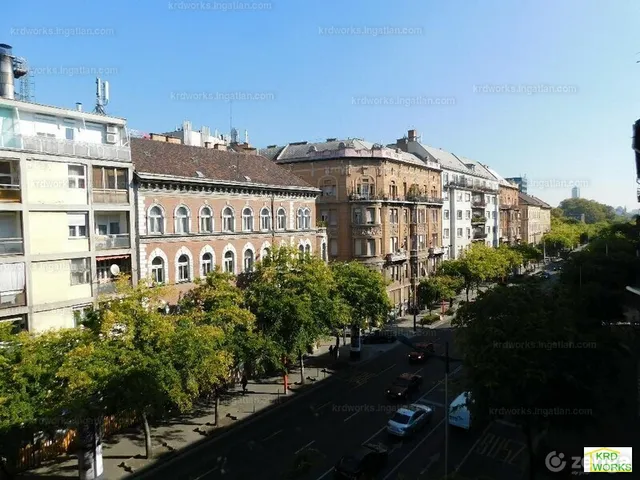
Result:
x=413 y=136
x=159 y=138
x=78 y=107
x=7 y=78
x=207 y=144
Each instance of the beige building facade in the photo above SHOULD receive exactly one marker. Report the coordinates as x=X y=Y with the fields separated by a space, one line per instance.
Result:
x=198 y=208
x=380 y=205
x=510 y=222
x=535 y=218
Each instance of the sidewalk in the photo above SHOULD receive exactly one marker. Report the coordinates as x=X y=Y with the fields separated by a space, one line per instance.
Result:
x=123 y=453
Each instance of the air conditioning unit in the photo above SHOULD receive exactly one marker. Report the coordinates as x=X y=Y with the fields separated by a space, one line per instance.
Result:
x=112 y=138
x=112 y=129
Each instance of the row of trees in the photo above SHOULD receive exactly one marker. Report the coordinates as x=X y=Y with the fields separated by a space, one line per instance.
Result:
x=132 y=359
x=567 y=232
x=542 y=350
x=594 y=212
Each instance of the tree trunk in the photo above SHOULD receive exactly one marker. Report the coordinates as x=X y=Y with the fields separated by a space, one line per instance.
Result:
x=337 y=347
x=344 y=335
x=285 y=377
x=216 y=406
x=90 y=465
x=148 y=447
x=468 y=288
x=301 y=359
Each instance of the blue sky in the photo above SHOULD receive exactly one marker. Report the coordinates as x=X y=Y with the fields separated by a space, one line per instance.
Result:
x=309 y=77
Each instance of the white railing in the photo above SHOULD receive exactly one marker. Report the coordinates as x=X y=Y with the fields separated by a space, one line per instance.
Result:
x=108 y=242
x=57 y=146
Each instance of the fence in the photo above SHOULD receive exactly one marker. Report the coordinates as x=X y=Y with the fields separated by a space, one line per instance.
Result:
x=33 y=456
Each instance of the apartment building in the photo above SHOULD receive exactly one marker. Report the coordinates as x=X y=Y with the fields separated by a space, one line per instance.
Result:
x=381 y=206
x=66 y=210
x=510 y=223
x=535 y=218
x=470 y=212
x=198 y=208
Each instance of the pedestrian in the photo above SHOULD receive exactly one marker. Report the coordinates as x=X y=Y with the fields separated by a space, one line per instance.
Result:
x=244 y=382
x=331 y=350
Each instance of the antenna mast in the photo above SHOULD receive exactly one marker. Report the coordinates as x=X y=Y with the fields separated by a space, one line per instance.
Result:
x=102 y=96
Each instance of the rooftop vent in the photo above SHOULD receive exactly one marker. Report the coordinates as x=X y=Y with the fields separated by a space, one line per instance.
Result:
x=271 y=146
x=298 y=143
x=248 y=179
x=199 y=174
x=331 y=139
x=342 y=145
x=312 y=149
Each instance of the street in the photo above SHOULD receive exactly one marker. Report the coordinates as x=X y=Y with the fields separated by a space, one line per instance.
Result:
x=339 y=417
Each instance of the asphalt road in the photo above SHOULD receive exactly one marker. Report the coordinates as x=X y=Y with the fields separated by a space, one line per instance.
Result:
x=337 y=418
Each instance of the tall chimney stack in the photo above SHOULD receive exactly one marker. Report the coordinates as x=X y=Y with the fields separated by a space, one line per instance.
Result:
x=7 y=79
x=413 y=136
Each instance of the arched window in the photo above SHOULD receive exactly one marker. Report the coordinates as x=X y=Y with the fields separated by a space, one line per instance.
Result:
x=307 y=249
x=207 y=263
x=282 y=219
x=183 y=268
x=248 y=260
x=301 y=251
x=206 y=220
x=229 y=262
x=300 y=219
x=228 y=222
x=306 y=218
x=156 y=221
x=265 y=219
x=365 y=188
x=157 y=270
x=265 y=253
x=247 y=220
x=182 y=220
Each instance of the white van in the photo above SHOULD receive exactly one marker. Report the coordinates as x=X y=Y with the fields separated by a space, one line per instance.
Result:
x=459 y=414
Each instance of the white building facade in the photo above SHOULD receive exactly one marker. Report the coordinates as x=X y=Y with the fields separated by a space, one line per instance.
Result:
x=66 y=212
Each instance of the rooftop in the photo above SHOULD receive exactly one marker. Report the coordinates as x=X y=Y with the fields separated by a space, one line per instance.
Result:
x=61 y=111
x=177 y=161
x=531 y=200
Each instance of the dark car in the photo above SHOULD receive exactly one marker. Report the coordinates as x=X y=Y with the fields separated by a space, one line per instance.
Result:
x=421 y=353
x=378 y=337
x=404 y=386
x=368 y=461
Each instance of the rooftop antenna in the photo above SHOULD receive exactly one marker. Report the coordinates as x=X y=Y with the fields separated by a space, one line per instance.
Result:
x=231 y=117
x=102 y=96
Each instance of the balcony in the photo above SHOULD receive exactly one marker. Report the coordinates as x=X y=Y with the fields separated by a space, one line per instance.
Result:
x=478 y=204
x=420 y=198
x=479 y=235
x=101 y=195
x=478 y=220
x=109 y=242
x=13 y=299
x=399 y=256
x=108 y=270
x=359 y=196
x=58 y=146
x=436 y=251
x=508 y=206
x=106 y=288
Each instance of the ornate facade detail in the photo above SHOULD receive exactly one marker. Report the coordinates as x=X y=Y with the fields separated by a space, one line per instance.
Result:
x=367 y=231
x=422 y=228
x=393 y=230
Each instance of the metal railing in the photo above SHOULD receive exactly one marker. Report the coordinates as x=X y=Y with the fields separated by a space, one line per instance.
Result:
x=11 y=246
x=58 y=146
x=108 y=242
x=479 y=203
x=419 y=197
x=479 y=235
x=13 y=299
x=478 y=220
x=103 y=195
x=398 y=256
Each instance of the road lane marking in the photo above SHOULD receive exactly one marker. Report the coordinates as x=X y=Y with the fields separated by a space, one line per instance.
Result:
x=473 y=447
x=351 y=416
x=306 y=446
x=504 y=422
x=324 y=405
x=418 y=371
x=414 y=449
x=385 y=370
x=272 y=435
x=222 y=461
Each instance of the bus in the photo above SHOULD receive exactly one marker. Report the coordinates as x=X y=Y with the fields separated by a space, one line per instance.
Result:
x=459 y=414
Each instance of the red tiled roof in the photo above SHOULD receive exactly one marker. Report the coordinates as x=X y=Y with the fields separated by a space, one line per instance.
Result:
x=183 y=161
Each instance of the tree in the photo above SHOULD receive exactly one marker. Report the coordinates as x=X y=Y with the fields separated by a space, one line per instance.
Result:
x=529 y=253
x=436 y=288
x=593 y=211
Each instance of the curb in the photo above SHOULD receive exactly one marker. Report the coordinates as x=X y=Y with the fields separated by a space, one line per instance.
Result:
x=188 y=449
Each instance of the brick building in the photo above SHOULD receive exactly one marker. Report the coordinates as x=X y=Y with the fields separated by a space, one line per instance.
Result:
x=201 y=207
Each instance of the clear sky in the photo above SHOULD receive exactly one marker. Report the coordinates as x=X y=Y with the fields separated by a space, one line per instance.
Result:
x=440 y=67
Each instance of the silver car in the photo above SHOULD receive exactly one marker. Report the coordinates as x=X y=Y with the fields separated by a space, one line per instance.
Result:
x=409 y=419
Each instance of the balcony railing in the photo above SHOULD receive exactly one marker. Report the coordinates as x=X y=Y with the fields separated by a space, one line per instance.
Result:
x=418 y=197
x=478 y=220
x=13 y=299
x=58 y=146
x=479 y=203
x=436 y=251
x=110 y=196
x=108 y=242
x=508 y=206
x=11 y=246
x=479 y=235
x=10 y=193
x=105 y=288
x=399 y=256
x=470 y=185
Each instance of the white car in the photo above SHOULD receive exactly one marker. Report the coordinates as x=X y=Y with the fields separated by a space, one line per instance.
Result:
x=409 y=419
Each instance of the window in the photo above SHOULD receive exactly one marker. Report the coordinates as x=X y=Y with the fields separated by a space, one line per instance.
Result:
x=357 y=216
x=421 y=242
x=307 y=218
x=108 y=225
x=459 y=233
x=406 y=216
x=467 y=197
x=329 y=188
x=206 y=220
x=324 y=216
x=365 y=247
x=468 y=232
x=371 y=216
x=156 y=221
x=393 y=244
x=459 y=196
x=157 y=270
x=247 y=220
x=8 y=173
x=229 y=262
x=333 y=247
x=422 y=216
x=445 y=233
x=393 y=190
x=77 y=225
x=183 y=268
x=265 y=219
x=467 y=214
x=109 y=178
x=248 y=260
x=307 y=249
x=364 y=188
x=300 y=219
x=182 y=220
x=393 y=216
x=68 y=133
x=80 y=271
x=446 y=214
x=459 y=214
x=434 y=216
x=282 y=219
x=333 y=217
x=207 y=263
x=77 y=177
x=228 y=222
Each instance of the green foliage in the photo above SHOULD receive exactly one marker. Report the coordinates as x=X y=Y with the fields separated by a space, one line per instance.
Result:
x=363 y=291
x=593 y=211
x=429 y=319
x=436 y=288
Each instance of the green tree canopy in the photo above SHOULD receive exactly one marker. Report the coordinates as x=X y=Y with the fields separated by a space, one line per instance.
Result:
x=593 y=211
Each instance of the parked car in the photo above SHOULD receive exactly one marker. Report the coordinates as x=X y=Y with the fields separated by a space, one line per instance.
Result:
x=421 y=353
x=410 y=419
x=404 y=386
x=379 y=337
x=366 y=462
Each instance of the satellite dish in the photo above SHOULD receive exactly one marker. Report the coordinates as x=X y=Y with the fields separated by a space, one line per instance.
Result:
x=115 y=270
